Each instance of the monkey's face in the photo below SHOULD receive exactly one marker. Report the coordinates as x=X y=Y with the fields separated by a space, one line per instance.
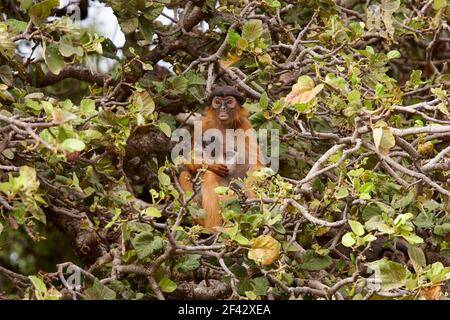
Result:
x=224 y=107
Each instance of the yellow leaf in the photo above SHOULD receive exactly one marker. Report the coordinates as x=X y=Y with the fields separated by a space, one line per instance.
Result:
x=264 y=250
x=431 y=293
x=303 y=91
x=229 y=61
x=265 y=59
x=426 y=148
x=383 y=139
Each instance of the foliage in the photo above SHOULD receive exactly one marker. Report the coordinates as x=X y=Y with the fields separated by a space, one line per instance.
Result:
x=360 y=208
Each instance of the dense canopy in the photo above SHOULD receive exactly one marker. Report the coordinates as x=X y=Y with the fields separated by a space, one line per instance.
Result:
x=90 y=204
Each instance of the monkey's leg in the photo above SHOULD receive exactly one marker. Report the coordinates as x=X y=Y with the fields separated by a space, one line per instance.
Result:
x=185 y=181
x=210 y=201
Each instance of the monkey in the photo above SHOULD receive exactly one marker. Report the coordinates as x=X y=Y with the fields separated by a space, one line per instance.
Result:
x=224 y=112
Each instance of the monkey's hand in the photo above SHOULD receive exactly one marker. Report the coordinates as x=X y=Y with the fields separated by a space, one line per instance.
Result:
x=219 y=169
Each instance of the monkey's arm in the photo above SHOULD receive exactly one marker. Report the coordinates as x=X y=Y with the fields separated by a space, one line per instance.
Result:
x=217 y=168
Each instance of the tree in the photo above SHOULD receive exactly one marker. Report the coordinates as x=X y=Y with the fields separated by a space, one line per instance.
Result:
x=89 y=194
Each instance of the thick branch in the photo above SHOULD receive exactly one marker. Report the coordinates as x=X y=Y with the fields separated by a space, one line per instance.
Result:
x=75 y=72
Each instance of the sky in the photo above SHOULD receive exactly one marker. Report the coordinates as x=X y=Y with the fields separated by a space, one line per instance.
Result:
x=102 y=19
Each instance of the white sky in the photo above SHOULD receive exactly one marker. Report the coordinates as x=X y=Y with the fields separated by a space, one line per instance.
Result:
x=102 y=19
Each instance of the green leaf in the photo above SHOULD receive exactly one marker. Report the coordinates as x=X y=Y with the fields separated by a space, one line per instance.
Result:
x=87 y=107
x=357 y=227
x=273 y=4
x=188 y=263
x=1 y=228
x=42 y=10
x=195 y=79
x=260 y=285
x=390 y=5
x=239 y=271
x=379 y=90
x=38 y=214
x=60 y=116
x=6 y=75
x=439 y=4
x=66 y=47
x=164 y=179
x=25 y=4
x=442 y=230
x=424 y=220
x=277 y=107
x=341 y=193
x=431 y=205
x=393 y=54
x=29 y=177
x=146 y=243
x=415 y=79
x=165 y=128
x=252 y=30
x=152 y=212
x=264 y=100
x=53 y=59
x=385 y=208
x=221 y=190
x=129 y=25
x=72 y=145
x=38 y=284
x=348 y=240
x=242 y=43
x=167 y=285
x=147 y=30
x=153 y=11
x=89 y=135
x=144 y=102
x=314 y=263
x=412 y=238
x=99 y=291
x=48 y=108
x=357 y=28
x=179 y=84
x=384 y=139
x=197 y=212
x=391 y=274
x=53 y=294
x=438 y=273
x=17 y=25
x=402 y=200
x=354 y=96
x=336 y=82
x=241 y=240
x=233 y=37
x=140 y=227
x=417 y=257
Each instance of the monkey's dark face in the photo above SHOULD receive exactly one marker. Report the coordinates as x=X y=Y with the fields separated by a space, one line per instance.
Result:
x=224 y=107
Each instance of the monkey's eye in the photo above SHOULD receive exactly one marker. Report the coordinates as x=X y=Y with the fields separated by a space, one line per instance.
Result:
x=216 y=103
x=230 y=103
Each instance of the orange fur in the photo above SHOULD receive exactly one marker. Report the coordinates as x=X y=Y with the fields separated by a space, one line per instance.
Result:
x=209 y=199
